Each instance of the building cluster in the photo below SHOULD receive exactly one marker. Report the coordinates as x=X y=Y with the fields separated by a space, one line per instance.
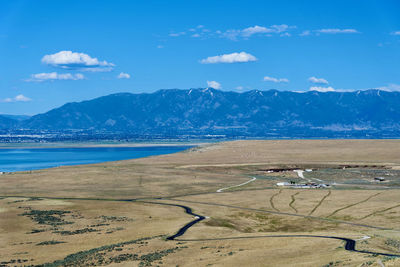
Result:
x=305 y=185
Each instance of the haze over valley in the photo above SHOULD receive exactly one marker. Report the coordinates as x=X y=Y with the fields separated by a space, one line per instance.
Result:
x=201 y=112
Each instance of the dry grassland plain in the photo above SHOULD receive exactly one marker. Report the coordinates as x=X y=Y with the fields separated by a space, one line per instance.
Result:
x=115 y=213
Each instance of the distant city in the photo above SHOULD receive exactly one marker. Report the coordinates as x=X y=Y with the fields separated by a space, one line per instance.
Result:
x=208 y=113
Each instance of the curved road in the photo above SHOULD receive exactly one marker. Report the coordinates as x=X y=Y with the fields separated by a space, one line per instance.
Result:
x=350 y=244
x=233 y=186
x=182 y=230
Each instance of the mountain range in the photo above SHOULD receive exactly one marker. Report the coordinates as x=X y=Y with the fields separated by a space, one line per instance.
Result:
x=211 y=111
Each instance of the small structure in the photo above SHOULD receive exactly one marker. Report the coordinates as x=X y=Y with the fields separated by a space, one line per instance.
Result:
x=306 y=185
x=379 y=179
x=282 y=184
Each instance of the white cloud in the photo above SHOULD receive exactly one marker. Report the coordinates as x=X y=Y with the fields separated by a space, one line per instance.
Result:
x=305 y=33
x=317 y=80
x=176 y=34
x=231 y=34
x=285 y=34
x=234 y=34
x=281 y=28
x=74 y=60
x=253 y=30
x=322 y=89
x=391 y=87
x=160 y=46
x=248 y=32
x=328 y=31
x=22 y=98
x=123 y=75
x=229 y=58
x=214 y=84
x=396 y=33
x=243 y=88
x=51 y=76
x=336 y=31
x=18 y=98
x=260 y=29
x=275 y=80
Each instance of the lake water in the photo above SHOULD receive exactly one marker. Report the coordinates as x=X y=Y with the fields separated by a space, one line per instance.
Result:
x=23 y=159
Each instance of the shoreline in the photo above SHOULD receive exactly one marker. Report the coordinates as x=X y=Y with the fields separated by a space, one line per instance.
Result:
x=94 y=145
x=34 y=145
x=65 y=162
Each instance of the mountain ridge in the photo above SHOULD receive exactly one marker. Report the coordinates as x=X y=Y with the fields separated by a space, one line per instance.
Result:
x=211 y=111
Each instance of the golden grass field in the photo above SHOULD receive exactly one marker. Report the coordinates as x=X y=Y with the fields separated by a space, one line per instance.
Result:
x=74 y=216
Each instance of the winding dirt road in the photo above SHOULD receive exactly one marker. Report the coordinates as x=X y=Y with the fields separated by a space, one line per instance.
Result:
x=225 y=188
x=350 y=244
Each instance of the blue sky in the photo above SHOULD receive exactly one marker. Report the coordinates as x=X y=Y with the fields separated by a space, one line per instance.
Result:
x=53 y=52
